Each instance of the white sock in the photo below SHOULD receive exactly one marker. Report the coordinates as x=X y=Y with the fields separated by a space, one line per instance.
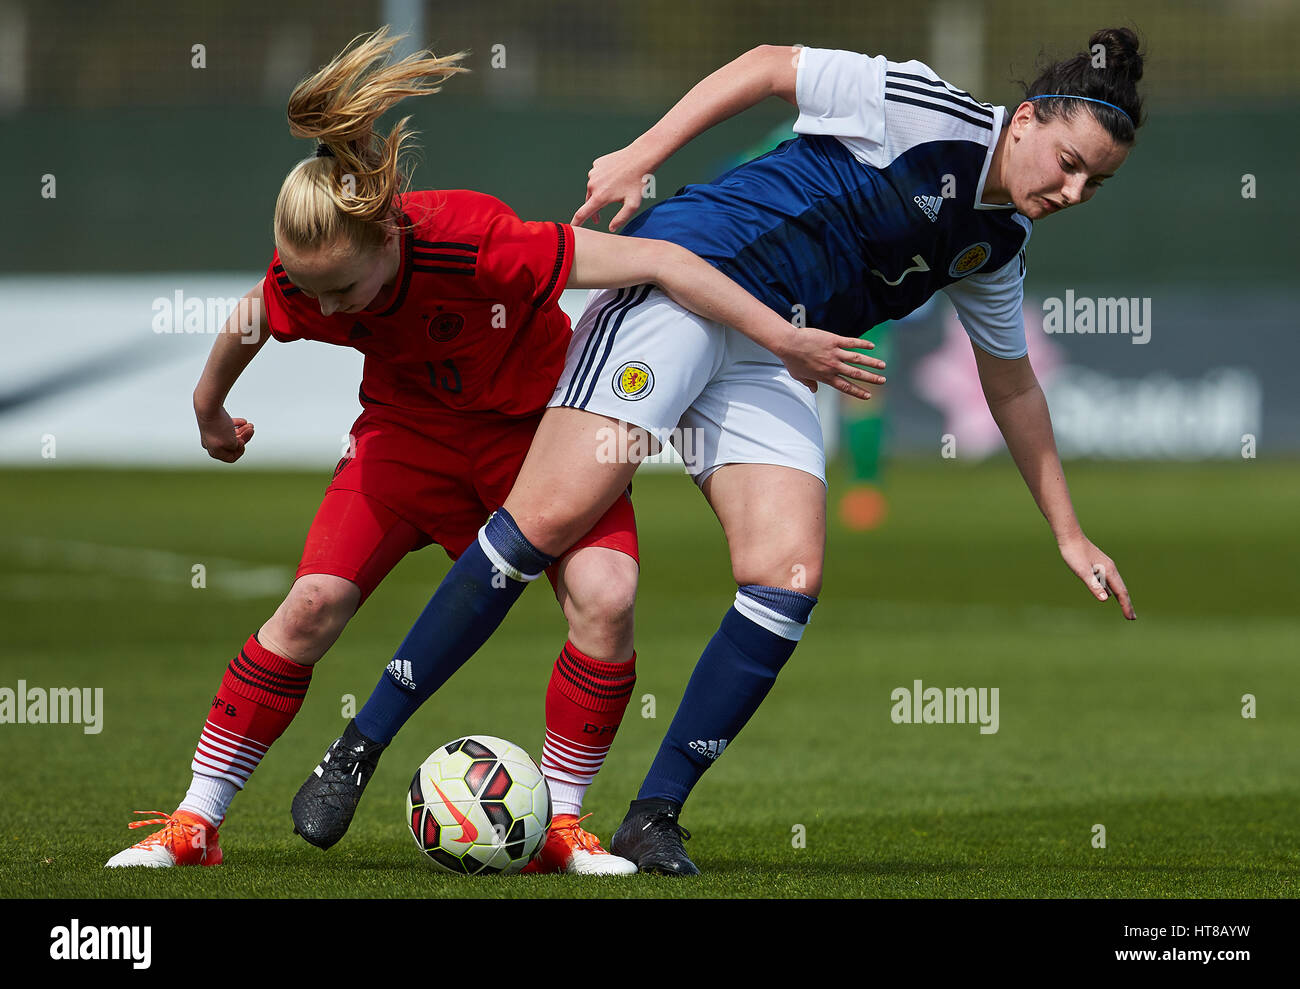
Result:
x=566 y=798
x=210 y=798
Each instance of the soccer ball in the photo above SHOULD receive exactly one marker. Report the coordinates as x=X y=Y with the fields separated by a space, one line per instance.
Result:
x=479 y=806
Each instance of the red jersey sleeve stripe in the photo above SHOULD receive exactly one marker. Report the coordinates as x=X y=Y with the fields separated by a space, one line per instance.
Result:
x=430 y=255
x=560 y=272
x=446 y=245
x=422 y=255
x=282 y=279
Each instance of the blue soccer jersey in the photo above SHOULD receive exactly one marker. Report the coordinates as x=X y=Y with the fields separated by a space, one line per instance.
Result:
x=870 y=211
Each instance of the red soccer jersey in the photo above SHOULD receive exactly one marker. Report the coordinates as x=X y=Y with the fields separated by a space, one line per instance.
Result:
x=475 y=325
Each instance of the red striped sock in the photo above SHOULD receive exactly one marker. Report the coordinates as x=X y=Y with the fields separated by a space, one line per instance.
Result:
x=585 y=701
x=259 y=695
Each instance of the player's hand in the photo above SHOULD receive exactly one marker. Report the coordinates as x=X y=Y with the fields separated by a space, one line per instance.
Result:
x=1099 y=572
x=614 y=178
x=223 y=437
x=812 y=355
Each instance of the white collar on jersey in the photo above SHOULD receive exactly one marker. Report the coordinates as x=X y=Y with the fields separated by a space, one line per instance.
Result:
x=999 y=114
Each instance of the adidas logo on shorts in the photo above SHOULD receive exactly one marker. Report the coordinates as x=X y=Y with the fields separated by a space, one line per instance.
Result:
x=400 y=670
x=710 y=750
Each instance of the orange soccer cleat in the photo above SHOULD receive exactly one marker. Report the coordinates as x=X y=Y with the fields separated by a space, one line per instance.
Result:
x=568 y=848
x=185 y=839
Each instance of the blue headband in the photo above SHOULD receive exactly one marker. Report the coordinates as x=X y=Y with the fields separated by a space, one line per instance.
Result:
x=1071 y=96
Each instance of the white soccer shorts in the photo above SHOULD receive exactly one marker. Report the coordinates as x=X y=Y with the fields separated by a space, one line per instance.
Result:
x=717 y=396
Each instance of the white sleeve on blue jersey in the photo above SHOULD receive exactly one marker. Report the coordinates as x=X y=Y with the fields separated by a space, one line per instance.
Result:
x=990 y=307
x=847 y=95
x=842 y=94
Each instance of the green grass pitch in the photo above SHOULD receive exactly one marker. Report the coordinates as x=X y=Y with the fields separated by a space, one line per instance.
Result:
x=1134 y=726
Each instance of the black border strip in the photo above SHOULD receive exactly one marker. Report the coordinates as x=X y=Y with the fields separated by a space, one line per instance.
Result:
x=982 y=124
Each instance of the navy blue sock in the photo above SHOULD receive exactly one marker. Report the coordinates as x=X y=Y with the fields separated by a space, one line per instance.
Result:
x=739 y=665
x=465 y=610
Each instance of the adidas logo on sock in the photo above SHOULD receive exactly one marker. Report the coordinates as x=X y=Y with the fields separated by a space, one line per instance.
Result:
x=400 y=670
x=710 y=750
x=929 y=205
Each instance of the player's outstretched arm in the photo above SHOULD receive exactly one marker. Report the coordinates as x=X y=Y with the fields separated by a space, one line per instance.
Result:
x=811 y=355
x=242 y=336
x=768 y=70
x=1020 y=410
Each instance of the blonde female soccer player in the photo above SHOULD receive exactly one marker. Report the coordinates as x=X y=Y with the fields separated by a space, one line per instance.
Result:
x=454 y=301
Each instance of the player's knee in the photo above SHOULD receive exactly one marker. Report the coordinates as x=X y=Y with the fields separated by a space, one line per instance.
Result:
x=316 y=610
x=792 y=571
x=600 y=601
x=550 y=531
x=806 y=578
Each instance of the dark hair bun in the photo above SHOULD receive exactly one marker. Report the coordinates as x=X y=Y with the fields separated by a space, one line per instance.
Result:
x=1107 y=73
x=1120 y=45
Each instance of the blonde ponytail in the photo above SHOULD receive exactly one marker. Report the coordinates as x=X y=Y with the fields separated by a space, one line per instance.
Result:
x=350 y=190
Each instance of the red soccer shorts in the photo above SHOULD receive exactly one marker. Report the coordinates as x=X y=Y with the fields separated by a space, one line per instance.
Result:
x=411 y=482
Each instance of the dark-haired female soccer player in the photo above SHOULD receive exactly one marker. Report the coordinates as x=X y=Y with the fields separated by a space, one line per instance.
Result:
x=454 y=302
x=899 y=185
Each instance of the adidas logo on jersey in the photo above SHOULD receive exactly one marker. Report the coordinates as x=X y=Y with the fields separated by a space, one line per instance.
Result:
x=710 y=750
x=929 y=205
x=400 y=670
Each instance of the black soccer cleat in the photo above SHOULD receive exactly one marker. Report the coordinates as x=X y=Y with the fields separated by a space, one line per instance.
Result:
x=651 y=836
x=324 y=805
